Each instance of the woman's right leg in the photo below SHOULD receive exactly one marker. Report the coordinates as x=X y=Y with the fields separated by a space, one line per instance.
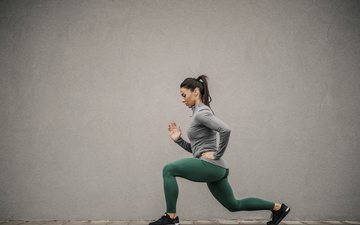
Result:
x=222 y=191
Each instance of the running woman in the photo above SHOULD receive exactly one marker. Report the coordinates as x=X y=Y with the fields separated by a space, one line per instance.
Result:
x=206 y=165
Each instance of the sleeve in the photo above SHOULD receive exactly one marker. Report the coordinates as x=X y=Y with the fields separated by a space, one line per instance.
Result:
x=185 y=145
x=209 y=120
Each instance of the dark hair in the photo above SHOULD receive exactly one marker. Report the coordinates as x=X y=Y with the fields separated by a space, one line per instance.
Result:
x=201 y=83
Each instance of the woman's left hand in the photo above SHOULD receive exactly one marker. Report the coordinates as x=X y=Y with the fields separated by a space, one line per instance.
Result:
x=207 y=155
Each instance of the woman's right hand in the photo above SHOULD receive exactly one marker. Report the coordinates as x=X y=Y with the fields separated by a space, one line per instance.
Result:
x=174 y=131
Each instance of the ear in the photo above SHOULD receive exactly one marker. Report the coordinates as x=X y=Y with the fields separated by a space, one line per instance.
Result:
x=197 y=91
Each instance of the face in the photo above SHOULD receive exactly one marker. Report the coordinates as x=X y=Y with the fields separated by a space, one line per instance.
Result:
x=189 y=98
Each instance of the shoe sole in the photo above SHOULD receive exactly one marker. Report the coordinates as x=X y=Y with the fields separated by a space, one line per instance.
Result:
x=172 y=224
x=282 y=217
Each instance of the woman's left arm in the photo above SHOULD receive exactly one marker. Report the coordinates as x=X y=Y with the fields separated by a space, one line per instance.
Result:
x=208 y=119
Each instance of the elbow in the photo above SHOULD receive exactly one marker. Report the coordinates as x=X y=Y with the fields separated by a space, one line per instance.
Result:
x=227 y=130
x=228 y=133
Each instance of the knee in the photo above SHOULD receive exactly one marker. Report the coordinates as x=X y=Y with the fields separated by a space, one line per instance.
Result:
x=231 y=208
x=168 y=170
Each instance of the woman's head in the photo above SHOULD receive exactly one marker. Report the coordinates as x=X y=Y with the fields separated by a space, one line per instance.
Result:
x=194 y=90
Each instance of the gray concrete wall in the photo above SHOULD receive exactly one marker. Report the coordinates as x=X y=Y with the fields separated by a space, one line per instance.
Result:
x=88 y=87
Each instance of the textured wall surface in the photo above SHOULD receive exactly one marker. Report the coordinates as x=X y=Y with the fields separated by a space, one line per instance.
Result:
x=87 y=89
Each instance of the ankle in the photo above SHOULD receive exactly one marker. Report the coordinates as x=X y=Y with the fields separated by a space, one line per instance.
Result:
x=277 y=207
x=172 y=215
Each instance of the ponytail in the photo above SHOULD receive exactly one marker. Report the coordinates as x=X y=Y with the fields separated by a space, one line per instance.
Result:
x=205 y=95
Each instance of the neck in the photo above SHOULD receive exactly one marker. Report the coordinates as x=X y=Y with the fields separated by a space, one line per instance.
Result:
x=198 y=102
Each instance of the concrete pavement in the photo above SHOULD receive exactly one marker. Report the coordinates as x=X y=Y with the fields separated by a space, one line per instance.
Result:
x=184 y=222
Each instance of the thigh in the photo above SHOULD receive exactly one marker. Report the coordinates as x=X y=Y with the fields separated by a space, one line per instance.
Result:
x=195 y=169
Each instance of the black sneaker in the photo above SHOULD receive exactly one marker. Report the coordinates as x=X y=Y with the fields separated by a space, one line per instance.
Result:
x=166 y=220
x=277 y=216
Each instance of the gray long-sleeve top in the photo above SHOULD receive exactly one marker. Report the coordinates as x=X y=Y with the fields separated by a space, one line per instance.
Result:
x=202 y=135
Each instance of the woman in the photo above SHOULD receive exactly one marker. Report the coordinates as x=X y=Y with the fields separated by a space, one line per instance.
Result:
x=206 y=164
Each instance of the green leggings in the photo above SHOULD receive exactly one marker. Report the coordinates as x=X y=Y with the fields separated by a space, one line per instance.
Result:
x=198 y=170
